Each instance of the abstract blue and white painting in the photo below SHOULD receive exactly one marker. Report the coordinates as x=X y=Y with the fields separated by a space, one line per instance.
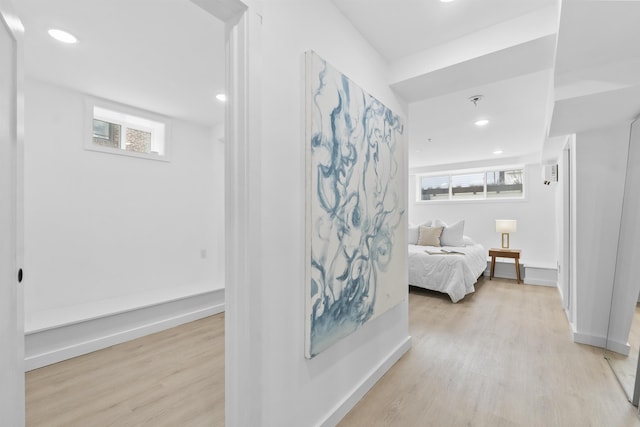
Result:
x=355 y=206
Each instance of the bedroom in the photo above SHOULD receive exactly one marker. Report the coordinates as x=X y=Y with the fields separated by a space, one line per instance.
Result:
x=273 y=319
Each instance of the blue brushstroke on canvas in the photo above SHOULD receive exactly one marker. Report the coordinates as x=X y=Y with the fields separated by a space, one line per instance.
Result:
x=353 y=150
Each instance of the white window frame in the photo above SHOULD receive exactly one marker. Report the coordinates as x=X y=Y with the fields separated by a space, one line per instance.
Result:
x=484 y=171
x=134 y=114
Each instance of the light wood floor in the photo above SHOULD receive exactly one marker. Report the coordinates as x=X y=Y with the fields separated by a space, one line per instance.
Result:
x=501 y=357
x=172 y=378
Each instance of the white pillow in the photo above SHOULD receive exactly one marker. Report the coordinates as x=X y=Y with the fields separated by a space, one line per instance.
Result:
x=412 y=235
x=438 y=223
x=468 y=241
x=452 y=235
x=428 y=223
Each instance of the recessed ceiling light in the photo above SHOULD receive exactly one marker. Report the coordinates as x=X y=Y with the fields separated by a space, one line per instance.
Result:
x=482 y=122
x=221 y=97
x=497 y=152
x=63 y=36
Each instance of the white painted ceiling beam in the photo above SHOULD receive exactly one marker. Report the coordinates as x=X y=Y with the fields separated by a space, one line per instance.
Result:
x=521 y=30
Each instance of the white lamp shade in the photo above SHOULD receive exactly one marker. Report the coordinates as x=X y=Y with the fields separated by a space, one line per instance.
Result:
x=506 y=225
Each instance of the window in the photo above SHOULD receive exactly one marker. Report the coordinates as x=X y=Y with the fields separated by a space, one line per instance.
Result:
x=504 y=183
x=119 y=129
x=435 y=188
x=468 y=186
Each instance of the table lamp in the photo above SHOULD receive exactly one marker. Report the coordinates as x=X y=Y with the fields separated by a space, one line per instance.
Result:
x=506 y=226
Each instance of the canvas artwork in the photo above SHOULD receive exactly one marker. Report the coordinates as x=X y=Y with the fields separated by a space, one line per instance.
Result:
x=355 y=207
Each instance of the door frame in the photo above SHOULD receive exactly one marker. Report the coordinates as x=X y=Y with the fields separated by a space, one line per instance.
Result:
x=12 y=391
x=240 y=152
x=242 y=155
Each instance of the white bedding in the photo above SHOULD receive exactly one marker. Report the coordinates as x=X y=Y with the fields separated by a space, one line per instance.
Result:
x=452 y=274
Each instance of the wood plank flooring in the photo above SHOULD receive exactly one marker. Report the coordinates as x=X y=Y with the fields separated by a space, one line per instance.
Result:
x=501 y=357
x=171 y=378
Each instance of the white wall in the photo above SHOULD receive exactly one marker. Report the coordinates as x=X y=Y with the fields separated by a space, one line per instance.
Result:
x=562 y=200
x=599 y=175
x=291 y=390
x=627 y=273
x=99 y=226
x=536 y=235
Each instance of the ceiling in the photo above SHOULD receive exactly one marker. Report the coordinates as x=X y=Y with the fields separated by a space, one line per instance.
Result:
x=165 y=56
x=543 y=73
x=597 y=72
x=399 y=28
x=441 y=54
x=544 y=67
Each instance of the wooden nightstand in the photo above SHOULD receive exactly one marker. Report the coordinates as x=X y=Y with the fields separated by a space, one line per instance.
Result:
x=505 y=253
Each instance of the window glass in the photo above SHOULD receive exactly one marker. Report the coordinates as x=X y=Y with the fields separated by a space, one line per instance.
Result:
x=507 y=183
x=138 y=141
x=122 y=131
x=504 y=183
x=467 y=186
x=106 y=134
x=434 y=188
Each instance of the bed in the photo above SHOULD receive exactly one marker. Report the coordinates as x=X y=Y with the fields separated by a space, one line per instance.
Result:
x=454 y=274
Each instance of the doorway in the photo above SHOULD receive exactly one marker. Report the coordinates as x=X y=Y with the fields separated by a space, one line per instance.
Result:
x=234 y=13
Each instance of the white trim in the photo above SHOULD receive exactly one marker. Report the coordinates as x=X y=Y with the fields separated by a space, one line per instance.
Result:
x=540 y=274
x=594 y=340
x=342 y=408
x=540 y=282
x=504 y=269
x=53 y=344
x=476 y=201
x=450 y=173
x=12 y=387
x=478 y=169
x=243 y=378
x=619 y=347
x=602 y=342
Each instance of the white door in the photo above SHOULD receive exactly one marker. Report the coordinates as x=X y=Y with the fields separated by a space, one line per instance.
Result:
x=11 y=304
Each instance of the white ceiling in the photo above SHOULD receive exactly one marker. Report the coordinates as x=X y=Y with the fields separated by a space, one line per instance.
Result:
x=398 y=28
x=514 y=106
x=597 y=72
x=166 y=56
x=440 y=54
x=538 y=73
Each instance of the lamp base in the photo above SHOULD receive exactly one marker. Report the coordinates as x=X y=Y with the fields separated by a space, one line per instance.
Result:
x=505 y=240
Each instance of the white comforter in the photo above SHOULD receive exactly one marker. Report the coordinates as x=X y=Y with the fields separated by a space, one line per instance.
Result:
x=452 y=274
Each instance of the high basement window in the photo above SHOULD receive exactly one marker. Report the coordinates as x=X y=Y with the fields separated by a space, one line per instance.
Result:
x=503 y=183
x=125 y=130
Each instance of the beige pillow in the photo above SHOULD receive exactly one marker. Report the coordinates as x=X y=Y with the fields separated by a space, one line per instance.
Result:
x=429 y=236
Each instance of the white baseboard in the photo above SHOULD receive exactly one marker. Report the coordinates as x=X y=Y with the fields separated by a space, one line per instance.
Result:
x=600 y=341
x=542 y=275
x=530 y=274
x=619 y=347
x=341 y=410
x=503 y=270
x=57 y=343
x=540 y=282
x=582 y=338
